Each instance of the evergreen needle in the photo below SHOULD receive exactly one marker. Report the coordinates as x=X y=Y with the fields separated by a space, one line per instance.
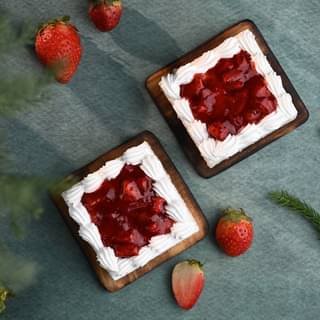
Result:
x=284 y=199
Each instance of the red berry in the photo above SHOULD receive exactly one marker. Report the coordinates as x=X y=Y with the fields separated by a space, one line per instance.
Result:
x=130 y=191
x=267 y=105
x=243 y=62
x=241 y=99
x=258 y=88
x=58 y=46
x=253 y=115
x=126 y=250
x=234 y=79
x=224 y=65
x=193 y=88
x=234 y=232
x=237 y=122
x=158 y=204
x=105 y=14
x=144 y=184
x=218 y=130
x=187 y=283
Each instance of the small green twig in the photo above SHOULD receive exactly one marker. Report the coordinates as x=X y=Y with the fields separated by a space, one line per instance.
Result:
x=284 y=199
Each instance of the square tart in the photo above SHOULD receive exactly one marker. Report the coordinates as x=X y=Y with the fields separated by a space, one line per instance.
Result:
x=227 y=99
x=130 y=210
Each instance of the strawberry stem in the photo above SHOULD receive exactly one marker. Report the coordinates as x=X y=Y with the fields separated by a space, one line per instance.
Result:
x=235 y=215
x=63 y=19
x=195 y=262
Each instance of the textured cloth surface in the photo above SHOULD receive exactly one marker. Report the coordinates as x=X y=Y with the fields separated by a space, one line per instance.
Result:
x=106 y=103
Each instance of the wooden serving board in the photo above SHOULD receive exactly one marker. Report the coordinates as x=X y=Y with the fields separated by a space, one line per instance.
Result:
x=189 y=147
x=177 y=180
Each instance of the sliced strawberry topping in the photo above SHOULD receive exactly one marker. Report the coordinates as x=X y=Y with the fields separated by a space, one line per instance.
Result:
x=130 y=191
x=126 y=250
x=253 y=116
x=144 y=184
x=218 y=130
x=127 y=211
x=158 y=204
x=194 y=87
x=229 y=96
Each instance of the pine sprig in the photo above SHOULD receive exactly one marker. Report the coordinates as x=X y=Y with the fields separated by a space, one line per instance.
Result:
x=284 y=199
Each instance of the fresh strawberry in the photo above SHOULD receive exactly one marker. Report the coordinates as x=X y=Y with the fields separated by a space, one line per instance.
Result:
x=234 y=232
x=58 y=46
x=105 y=14
x=187 y=283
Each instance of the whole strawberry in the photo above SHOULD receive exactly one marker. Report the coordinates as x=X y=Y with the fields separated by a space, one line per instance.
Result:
x=187 y=283
x=105 y=14
x=234 y=232
x=58 y=47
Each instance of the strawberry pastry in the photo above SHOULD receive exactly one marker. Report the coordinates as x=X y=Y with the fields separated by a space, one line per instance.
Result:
x=129 y=211
x=229 y=98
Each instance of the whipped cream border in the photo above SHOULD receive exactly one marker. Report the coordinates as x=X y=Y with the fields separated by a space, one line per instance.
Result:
x=214 y=151
x=183 y=228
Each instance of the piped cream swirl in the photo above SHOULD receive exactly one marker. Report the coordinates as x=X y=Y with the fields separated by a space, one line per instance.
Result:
x=177 y=210
x=214 y=151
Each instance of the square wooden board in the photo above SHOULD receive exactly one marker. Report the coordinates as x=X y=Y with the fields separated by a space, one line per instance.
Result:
x=104 y=277
x=189 y=147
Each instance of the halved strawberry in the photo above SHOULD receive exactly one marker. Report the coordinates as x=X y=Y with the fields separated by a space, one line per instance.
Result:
x=187 y=283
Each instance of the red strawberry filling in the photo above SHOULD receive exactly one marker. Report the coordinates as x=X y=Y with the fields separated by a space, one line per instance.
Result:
x=127 y=212
x=229 y=96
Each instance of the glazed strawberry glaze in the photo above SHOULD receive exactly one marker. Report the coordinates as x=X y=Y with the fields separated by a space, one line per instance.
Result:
x=127 y=211
x=229 y=96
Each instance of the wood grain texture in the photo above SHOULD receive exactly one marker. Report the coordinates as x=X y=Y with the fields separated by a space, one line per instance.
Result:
x=189 y=147
x=177 y=180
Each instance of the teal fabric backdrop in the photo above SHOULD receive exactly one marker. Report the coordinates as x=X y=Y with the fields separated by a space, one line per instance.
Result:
x=106 y=103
